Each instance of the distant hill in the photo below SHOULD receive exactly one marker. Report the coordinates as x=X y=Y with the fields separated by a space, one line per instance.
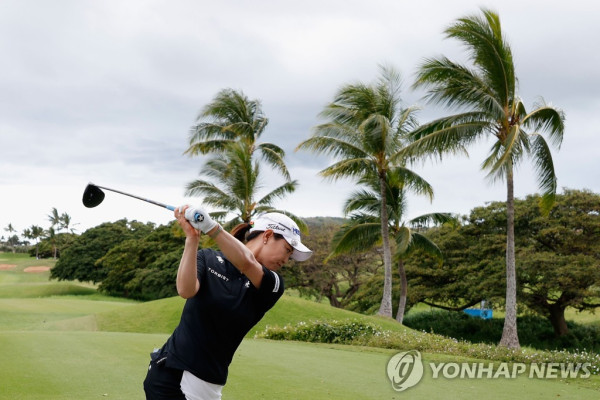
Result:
x=325 y=220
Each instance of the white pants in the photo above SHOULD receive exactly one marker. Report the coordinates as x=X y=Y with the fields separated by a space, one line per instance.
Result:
x=195 y=388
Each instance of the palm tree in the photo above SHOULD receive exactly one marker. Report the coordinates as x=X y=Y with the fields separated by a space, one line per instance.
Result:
x=232 y=117
x=11 y=239
x=364 y=132
x=54 y=218
x=363 y=232
x=51 y=236
x=66 y=223
x=36 y=232
x=236 y=187
x=229 y=129
x=485 y=96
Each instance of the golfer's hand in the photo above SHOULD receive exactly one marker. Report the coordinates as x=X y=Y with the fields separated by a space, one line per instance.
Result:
x=189 y=230
x=198 y=218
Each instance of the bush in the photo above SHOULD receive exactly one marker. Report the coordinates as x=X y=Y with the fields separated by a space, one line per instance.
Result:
x=345 y=332
x=363 y=334
x=534 y=331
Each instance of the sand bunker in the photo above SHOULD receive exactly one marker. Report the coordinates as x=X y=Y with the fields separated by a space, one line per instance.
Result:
x=6 y=267
x=37 y=269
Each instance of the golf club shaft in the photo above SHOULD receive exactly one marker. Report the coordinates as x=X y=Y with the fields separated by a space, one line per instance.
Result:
x=168 y=207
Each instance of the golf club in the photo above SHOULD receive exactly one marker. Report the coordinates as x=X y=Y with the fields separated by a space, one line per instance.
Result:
x=93 y=196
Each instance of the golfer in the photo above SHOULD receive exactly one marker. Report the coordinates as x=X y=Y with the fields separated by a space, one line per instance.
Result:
x=227 y=292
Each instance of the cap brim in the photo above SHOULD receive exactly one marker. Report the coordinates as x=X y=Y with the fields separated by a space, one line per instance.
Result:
x=301 y=252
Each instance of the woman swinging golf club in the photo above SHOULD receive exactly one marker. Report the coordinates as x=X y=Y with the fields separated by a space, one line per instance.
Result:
x=227 y=292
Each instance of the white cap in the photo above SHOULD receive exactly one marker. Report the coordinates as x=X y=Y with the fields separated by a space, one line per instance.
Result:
x=286 y=227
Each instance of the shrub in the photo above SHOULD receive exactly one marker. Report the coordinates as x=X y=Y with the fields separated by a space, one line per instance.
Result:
x=534 y=331
x=345 y=332
x=364 y=334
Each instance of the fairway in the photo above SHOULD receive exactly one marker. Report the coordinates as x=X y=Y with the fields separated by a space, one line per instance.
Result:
x=59 y=343
x=88 y=365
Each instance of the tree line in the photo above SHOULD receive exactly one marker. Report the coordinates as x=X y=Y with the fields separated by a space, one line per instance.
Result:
x=46 y=241
x=558 y=262
x=374 y=139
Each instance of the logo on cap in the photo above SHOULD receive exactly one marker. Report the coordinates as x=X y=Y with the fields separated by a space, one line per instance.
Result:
x=276 y=227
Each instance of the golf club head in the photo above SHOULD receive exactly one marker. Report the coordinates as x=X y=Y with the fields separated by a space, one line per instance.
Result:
x=92 y=196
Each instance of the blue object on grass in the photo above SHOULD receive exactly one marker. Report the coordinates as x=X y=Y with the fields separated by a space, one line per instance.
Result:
x=483 y=313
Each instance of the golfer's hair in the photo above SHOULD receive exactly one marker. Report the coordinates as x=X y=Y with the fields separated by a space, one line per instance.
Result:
x=241 y=233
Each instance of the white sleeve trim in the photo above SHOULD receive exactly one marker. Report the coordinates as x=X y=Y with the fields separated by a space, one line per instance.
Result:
x=276 y=286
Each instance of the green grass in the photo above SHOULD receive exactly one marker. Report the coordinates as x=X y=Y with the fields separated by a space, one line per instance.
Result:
x=49 y=313
x=45 y=289
x=162 y=316
x=64 y=341
x=90 y=365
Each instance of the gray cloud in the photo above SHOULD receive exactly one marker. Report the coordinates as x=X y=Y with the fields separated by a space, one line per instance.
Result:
x=108 y=90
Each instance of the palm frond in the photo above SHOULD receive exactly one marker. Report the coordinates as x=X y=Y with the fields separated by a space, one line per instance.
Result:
x=200 y=187
x=407 y=120
x=377 y=134
x=231 y=106
x=446 y=135
x=333 y=146
x=489 y=51
x=216 y=167
x=454 y=86
x=273 y=155
x=278 y=193
x=208 y=146
x=411 y=181
x=403 y=239
x=506 y=154
x=352 y=105
x=350 y=168
x=432 y=218
x=363 y=200
x=547 y=119
x=212 y=195
x=209 y=131
x=355 y=236
x=544 y=167
x=423 y=243
x=273 y=148
x=259 y=126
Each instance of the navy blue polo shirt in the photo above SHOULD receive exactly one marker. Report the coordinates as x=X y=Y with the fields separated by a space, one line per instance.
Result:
x=214 y=321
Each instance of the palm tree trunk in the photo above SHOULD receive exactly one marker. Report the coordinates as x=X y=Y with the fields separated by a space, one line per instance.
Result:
x=386 y=302
x=510 y=337
x=403 y=291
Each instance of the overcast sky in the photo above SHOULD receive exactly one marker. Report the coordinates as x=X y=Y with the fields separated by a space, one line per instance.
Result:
x=106 y=92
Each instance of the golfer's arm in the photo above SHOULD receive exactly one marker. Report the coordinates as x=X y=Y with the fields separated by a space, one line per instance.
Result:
x=187 y=278
x=239 y=255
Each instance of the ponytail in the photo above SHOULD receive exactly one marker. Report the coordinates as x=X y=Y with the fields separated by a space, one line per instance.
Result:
x=240 y=231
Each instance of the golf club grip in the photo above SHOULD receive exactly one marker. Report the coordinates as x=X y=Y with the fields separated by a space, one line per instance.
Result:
x=172 y=208
x=196 y=216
